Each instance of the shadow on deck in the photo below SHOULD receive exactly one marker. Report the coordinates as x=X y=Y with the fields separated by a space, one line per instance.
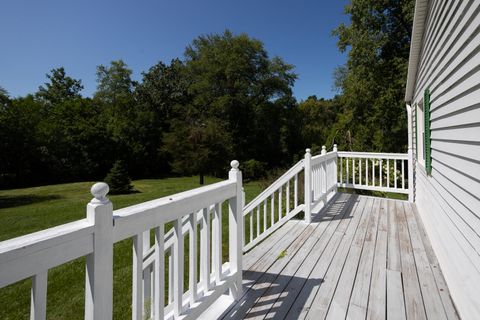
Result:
x=360 y=257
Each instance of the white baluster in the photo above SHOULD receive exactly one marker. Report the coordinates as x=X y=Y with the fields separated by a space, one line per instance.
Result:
x=265 y=215
x=395 y=174
x=258 y=221
x=170 y=275
x=159 y=301
x=403 y=174
x=205 y=250
x=380 y=174
x=280 y=206
x=38 y=296
x=295 y=191
x=217 y=244
x=178 y=270
x=137 y=279
x=373 y=172
x=366 y=171
x=272 y=208
x=308 y=186
x=287 y=209
x=388 y=173
x=192 y=269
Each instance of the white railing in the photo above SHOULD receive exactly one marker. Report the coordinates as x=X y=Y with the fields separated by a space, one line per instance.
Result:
x=387 y=172
x=323 y=184
x=279 y=203
x=272 y=208
x=94 y=237
x=197 y=214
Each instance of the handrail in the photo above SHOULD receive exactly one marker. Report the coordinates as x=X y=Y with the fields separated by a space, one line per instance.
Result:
x=289 y=174
x=373 y=171
x=378 y=155
x=94 y=237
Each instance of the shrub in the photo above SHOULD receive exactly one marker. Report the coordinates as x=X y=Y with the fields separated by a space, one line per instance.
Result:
x=253 y=169
x=118 y=179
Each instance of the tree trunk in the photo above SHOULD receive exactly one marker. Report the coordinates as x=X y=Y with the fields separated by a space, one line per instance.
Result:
x=202 y=179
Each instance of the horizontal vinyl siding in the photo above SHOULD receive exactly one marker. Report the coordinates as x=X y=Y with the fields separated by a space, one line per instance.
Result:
x=449 y=200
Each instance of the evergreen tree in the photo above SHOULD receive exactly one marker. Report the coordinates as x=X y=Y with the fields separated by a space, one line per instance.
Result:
x=118 y=179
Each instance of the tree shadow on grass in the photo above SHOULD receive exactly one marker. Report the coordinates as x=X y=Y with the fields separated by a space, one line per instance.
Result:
x=23 y=200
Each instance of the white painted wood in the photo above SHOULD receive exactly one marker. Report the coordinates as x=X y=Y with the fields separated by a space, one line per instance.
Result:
x=217 y=244
x=235 y=223
x=99 y=263
x=147 y=276
x=280 y=203
x=129 y=222
x=38 y=296
x=308 y=186
x=448 y=202
x=171 y=269
x=272 y=208
x=192 y=270
x=251 y=226
x=178 y=258
x=295 y=191
x=287 y=198
x=137 y=277
x=258 y=221
x=265 y=222
x=372 y=155
x=205 y=254
x=159 y=285
x=297 y=168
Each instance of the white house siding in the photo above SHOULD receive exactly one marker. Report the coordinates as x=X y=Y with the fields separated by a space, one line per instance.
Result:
x=449 y=200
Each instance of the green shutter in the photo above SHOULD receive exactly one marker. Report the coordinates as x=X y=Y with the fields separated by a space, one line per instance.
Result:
x=416 y=132
x=428 y=154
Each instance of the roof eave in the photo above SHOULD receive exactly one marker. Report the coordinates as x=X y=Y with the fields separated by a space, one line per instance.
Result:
x=421 y=8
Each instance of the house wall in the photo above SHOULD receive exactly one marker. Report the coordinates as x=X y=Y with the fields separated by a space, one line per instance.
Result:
x=448 y=201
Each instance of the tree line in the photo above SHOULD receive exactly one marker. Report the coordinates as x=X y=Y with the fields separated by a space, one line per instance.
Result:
x=225 y=98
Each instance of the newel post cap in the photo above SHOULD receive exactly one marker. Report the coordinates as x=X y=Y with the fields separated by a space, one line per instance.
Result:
x=234 y=164
x=335 y=147
x=324 y=150
x=308 y=150
x=99 y=192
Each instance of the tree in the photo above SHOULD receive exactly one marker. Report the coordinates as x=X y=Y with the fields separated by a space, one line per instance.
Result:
x=372 y=82
x=317 y=119
x=234 y=80
x=198 y=146
x=60 y=87
x=4 y=98
x=114 y=83
x=118 y=179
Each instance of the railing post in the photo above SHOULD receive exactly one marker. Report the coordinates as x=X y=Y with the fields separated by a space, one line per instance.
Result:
x=324 y=187
x=99 y=265
x=235 y=225
x=335 y=171
x=308 y=186
x=411 y=184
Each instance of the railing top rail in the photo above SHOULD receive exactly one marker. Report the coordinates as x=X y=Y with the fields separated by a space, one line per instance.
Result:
x=138 y=218
x=12 y=248
x=323 y=157
x=274 y=186
x=377 y=155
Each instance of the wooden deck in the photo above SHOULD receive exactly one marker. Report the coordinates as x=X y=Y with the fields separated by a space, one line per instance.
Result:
x=362 y=257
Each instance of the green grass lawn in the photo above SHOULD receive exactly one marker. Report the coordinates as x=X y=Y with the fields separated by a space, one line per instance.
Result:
x=23 y=211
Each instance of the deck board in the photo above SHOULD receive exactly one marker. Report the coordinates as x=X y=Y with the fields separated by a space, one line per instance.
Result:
x=361 y=257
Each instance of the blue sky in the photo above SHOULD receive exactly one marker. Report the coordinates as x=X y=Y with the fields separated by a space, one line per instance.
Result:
x=37 y=36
